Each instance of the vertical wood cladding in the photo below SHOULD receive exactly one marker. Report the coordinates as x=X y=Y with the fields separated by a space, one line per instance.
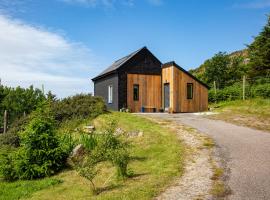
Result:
x=149 y=91
x=142 y=63
x=178 y=91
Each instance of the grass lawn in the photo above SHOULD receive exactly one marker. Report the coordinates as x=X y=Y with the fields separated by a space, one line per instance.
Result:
x=157 y=158
x=254 y=113
x=24 y=189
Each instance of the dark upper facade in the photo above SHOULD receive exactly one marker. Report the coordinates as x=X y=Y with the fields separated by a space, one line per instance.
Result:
x=141 y=61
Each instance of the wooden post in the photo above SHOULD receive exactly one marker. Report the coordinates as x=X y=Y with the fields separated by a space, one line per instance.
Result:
x=5 y=121
x=244 y=87
x=215 y=89
x=43 y=89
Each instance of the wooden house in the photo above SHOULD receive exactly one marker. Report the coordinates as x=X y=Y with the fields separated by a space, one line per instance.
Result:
x=141 y=83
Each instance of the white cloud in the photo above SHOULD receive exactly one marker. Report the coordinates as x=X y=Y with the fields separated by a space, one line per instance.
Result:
x=259 y=4
x=92 y=3
x=32 y=55
x=109 y=3
x=156 y=2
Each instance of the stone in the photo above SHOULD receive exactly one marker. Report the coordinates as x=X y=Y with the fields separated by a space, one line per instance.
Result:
x=76 y=155
x=140 y=134
x=88 y=129
x=135 y=134
x=119 y=131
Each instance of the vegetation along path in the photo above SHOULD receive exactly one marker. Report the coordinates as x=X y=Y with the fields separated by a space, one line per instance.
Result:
x=245 y=152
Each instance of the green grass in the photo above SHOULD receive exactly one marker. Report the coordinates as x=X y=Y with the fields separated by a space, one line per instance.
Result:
x=218 y=189
x=254 y=113
x=24 y=189
x=157 y=159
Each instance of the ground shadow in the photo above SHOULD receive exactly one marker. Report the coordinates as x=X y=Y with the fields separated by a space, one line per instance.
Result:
x=100 y=190
x=138 y=158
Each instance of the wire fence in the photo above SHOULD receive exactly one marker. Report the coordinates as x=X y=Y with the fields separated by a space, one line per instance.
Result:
x=246 y=88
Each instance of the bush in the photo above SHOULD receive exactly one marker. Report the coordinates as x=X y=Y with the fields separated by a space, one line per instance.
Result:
x=78 y=106
x=88 y=141
x=40 y=153
x=235 y=92
x=262 y=90
x=87 y=169
x=19 y=101
x=12 y=138
x=228 y=93
x=104 y=146
x=111 y=148
x=7 y=171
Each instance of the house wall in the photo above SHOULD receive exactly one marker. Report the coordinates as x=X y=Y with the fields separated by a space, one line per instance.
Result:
x=178 y=91
x=149 y=91
x=142 y=63
x=101 y=89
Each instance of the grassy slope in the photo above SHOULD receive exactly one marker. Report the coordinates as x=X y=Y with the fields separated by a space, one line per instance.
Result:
x=20 y=189
x=254 y=113
x=157 y=159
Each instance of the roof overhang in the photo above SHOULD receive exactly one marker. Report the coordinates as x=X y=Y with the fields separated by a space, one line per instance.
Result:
x=172 y=63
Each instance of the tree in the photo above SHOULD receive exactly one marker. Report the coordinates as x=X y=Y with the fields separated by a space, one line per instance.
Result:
x=259 y=53
x=41 y=153
x=236 y=69
x=216 y=69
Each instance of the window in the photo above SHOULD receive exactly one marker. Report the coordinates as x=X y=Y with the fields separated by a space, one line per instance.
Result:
x=110 y=94
x=189 y=90
x=136 y=92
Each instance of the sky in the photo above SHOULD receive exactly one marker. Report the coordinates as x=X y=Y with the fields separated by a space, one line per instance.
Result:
x=62 y=44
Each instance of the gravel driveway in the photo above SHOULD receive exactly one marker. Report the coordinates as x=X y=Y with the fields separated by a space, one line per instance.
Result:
x=246 y=153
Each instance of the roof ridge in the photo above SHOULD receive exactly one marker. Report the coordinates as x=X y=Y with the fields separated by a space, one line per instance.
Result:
x=115 y=65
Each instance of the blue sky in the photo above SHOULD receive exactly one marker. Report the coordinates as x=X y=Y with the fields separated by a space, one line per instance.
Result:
x=64 y=43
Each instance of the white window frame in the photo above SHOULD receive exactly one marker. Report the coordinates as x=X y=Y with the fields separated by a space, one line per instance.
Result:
x=110 y=94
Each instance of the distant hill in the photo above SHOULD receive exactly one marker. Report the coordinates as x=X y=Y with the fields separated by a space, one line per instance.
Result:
x=199 y=71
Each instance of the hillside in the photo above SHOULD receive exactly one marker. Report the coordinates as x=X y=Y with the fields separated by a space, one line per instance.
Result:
x=199 y=71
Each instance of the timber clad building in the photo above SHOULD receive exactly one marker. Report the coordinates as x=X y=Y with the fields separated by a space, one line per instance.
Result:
x=142 y=83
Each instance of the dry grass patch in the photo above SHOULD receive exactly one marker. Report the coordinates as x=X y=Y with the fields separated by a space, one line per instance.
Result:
x=253 y=113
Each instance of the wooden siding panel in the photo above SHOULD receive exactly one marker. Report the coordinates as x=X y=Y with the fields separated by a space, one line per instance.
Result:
x=178 y=87
x=149 y=91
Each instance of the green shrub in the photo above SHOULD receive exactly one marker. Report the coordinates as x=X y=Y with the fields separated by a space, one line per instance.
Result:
x=40 y=153
x=112 y=148
x=67 y=143
x=19 y=101
x=78 y=106
x=232 y=92
x=88 y=170
x=262 y=90
x=7 y=171
x=88 y=141
x=11 y=139
x=12 y=136
x=235 y=92
x=104 y=146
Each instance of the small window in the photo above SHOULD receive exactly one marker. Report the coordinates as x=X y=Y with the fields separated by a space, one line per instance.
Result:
x=136 y=92
x=110 y=94
x=189 y=90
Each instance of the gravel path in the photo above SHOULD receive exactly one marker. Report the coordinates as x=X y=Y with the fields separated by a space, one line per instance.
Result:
x=246 y=153
x=196 y=181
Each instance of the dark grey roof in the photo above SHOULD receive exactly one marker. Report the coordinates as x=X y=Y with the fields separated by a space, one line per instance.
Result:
x=117 y=64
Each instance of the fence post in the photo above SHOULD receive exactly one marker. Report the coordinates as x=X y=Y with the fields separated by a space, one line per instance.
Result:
x=5 y=121
x=42 y=89
x=215 y=89
x=244 y=87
